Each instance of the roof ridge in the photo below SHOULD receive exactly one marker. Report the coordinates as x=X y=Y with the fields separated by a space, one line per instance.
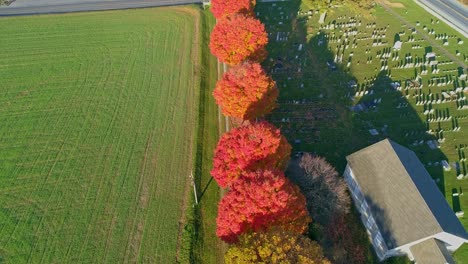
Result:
x=370 y=146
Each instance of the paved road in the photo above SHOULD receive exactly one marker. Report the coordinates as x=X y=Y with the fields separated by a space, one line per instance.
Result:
x=95 y=5
x=450 y=11
x=434 y=44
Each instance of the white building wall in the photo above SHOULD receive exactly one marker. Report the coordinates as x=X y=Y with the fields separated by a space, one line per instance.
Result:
x=367 y=219
x=452 y=242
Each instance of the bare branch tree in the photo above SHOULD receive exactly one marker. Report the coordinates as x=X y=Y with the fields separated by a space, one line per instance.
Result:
x=324 y=189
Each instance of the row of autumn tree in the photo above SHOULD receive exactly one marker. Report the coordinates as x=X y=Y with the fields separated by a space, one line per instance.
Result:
x=263 y=215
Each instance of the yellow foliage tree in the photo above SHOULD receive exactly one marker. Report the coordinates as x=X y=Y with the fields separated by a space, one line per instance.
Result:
x=275 y=246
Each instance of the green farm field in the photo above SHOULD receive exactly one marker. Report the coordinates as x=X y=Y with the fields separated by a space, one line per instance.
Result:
x=98 y=117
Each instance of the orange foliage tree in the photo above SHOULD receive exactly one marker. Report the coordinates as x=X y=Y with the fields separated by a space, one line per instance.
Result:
x=275 y=246
x=237 y=38
x=246 y=92
x=252 y=147
x=223 y=8
x=263 y=199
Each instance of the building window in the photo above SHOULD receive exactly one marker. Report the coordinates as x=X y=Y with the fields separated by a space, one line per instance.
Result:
x=378 y=241
x=353 y=187
x=347 y=171
x=364 y=208
x=370 y=224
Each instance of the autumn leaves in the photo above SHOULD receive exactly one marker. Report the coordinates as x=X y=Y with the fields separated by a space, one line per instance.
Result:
x=239 y=40
x=237 y=37
x=246 y=92
x=257 y=146
x=250 y=159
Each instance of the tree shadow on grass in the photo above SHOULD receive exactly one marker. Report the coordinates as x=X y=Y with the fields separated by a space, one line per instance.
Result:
x=319 y=111
x=312 y=111
x=204 y=190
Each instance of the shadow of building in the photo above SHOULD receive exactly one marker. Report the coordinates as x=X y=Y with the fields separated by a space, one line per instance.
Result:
x=329 y=107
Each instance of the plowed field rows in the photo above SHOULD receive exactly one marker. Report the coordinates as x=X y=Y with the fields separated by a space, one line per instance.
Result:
x=97 y=122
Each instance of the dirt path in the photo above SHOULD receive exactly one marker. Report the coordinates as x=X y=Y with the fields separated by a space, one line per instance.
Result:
x=223 y=127
x=425 y=36
x=391 y=4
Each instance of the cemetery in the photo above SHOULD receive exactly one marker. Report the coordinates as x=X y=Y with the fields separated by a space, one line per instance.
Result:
x=348 y=80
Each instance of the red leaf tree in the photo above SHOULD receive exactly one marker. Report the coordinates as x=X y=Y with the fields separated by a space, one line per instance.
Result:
x=246 y=92
x=237 y=38
x=264 y=199
x=252 y=147
x=223 y=8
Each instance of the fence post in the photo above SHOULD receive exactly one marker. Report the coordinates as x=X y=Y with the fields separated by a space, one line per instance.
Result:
x=194 y=187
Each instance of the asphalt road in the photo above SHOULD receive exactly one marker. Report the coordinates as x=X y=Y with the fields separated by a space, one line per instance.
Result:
x=57 y=7
x=454 y=13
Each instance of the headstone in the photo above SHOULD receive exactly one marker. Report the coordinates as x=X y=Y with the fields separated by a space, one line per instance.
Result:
x=322 y=17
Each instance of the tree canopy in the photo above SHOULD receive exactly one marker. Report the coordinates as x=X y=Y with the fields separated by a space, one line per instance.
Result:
x=261 y=200
x=246 y=92
x=275 y=246
x=223 y=8
x=325 y=191
x=237 y=38
x=252 y=147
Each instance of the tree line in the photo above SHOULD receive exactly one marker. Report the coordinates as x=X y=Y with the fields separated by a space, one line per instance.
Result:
x=264 y=215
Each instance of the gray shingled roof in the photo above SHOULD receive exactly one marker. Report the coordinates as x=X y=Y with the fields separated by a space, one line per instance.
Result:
x=405 y=202
x=431 y=251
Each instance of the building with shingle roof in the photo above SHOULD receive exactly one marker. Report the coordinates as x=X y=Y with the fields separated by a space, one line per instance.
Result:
x=431 y=251
x=400 y=205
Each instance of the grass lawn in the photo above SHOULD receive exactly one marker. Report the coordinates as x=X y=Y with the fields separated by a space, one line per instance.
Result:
x=98 y=114
x=208 y=248
x=414 y=13
x=461 y=255
x=451 y=148
x=315 y=100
